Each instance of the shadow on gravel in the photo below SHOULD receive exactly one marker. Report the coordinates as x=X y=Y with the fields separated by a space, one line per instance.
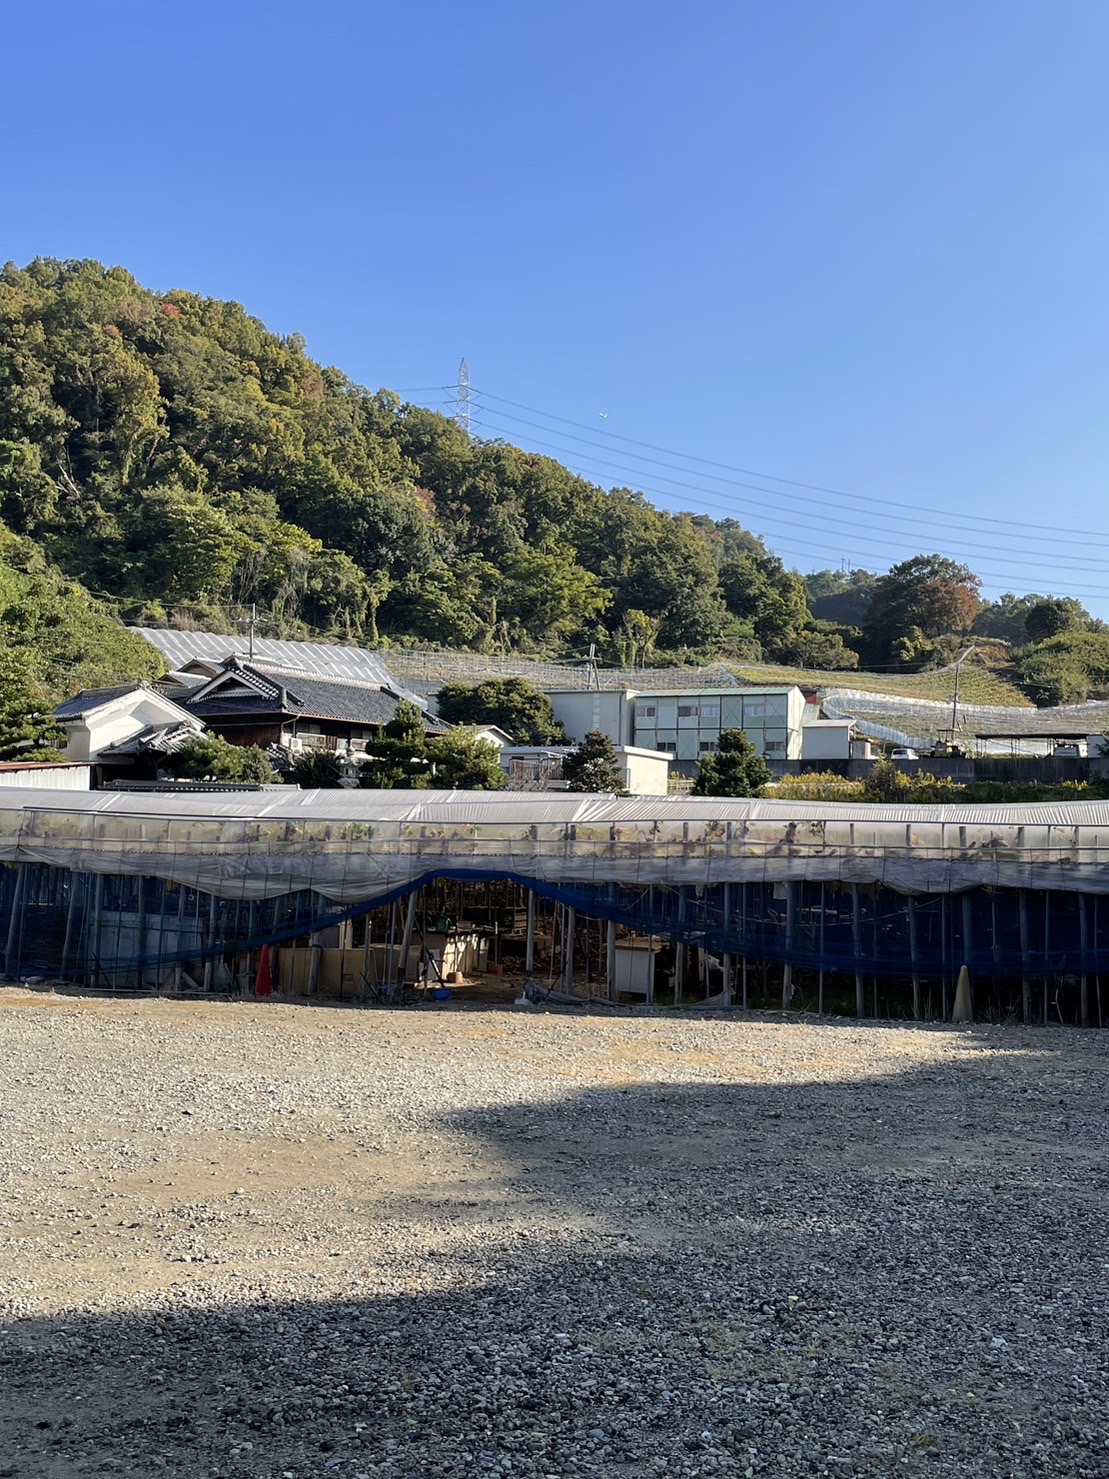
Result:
x=895 y=1276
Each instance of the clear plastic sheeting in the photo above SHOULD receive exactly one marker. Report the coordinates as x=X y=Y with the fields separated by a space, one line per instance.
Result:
x=920 y=721
x=355 y=846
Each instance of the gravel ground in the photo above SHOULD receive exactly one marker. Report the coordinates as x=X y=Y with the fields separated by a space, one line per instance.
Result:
x=281 y=1241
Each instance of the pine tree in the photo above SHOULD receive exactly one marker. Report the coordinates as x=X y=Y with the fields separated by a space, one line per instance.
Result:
x=27 y=727
x=734 y=770
x=593 y=765
x=399 y=760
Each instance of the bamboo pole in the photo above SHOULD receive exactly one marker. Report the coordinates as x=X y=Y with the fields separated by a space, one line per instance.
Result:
x=10 y=962
x=75 y=879
x=679 y=948
x=1047 y=948
x=406 y=936
x=529 y=949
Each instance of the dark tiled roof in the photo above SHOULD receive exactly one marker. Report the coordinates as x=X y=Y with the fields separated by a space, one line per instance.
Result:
x=162 y=739
x=91 y=698
x=307 y=697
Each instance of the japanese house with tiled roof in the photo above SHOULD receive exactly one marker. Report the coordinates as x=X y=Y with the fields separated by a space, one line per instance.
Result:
x=258 y=703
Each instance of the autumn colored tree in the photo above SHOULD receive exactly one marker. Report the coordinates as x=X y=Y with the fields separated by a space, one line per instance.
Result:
x=929 y=594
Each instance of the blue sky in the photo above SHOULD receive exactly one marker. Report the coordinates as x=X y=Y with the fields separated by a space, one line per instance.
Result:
x=860 y=245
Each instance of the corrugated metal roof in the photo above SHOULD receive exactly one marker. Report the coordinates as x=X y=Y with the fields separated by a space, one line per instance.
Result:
x=324 y=659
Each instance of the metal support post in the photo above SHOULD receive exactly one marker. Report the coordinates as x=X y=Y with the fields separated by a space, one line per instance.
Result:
x=791 y=926
x=914 y=957
x=856 y=936
x=1025 y=967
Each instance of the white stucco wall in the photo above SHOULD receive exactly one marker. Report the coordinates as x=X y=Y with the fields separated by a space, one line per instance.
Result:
x=644 y=772
x=826 y=739
x=95 y=731
x=580 y=712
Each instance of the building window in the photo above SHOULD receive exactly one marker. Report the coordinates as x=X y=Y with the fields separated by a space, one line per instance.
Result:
x=646 y=711
x=707 y=745
x=687 y=711
x=710 y=711
x=754 y=711
x=774 y=747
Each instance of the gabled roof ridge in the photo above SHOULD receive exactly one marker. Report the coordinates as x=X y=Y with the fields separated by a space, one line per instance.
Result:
x=112 y=694
x=299 y=674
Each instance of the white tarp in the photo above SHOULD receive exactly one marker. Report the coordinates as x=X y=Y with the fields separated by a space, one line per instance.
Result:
x=356 y=845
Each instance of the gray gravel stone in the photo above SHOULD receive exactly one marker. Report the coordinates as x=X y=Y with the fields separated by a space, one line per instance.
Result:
x=274 y=1241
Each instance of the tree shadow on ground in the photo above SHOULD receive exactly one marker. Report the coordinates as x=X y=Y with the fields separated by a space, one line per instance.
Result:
x=902 y=1275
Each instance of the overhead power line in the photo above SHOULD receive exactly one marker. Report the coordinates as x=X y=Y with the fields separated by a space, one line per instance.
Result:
x=1081 y=536
x=914 y=531
x=767 y=521
x=1082 y=539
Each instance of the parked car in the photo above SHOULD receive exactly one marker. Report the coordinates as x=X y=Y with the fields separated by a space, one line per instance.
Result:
x=904 y=754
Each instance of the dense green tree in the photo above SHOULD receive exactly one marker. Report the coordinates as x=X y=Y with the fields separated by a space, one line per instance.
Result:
x=315 y=770
x=462 y=762
x=593 y=765
x=398 y=759
x=174 y=456
x=512 y=704
x=840 y=596
x=27 y=727
x=819 y=647
x=757 y=587
x=930 y=593
x=735 y=769
x=1067 y=669
x=1003 y=619
x=210 y=758
x=1052 y=615
x=886 y=783
x=544 y=597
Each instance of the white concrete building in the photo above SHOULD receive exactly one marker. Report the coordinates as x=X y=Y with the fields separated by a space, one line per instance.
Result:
x=110 y=726
x=686 y=723
x=581 y=711
x=827 y=739
x=539 y=767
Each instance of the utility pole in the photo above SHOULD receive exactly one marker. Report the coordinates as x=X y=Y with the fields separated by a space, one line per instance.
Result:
x=462 y=404
x=250 y=625
x=955 y=697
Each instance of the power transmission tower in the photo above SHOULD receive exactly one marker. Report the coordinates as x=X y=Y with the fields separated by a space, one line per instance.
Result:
x=462 y=397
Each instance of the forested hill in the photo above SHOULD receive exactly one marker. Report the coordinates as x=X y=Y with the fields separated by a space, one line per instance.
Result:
x=173 y=456
x=163 y=457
